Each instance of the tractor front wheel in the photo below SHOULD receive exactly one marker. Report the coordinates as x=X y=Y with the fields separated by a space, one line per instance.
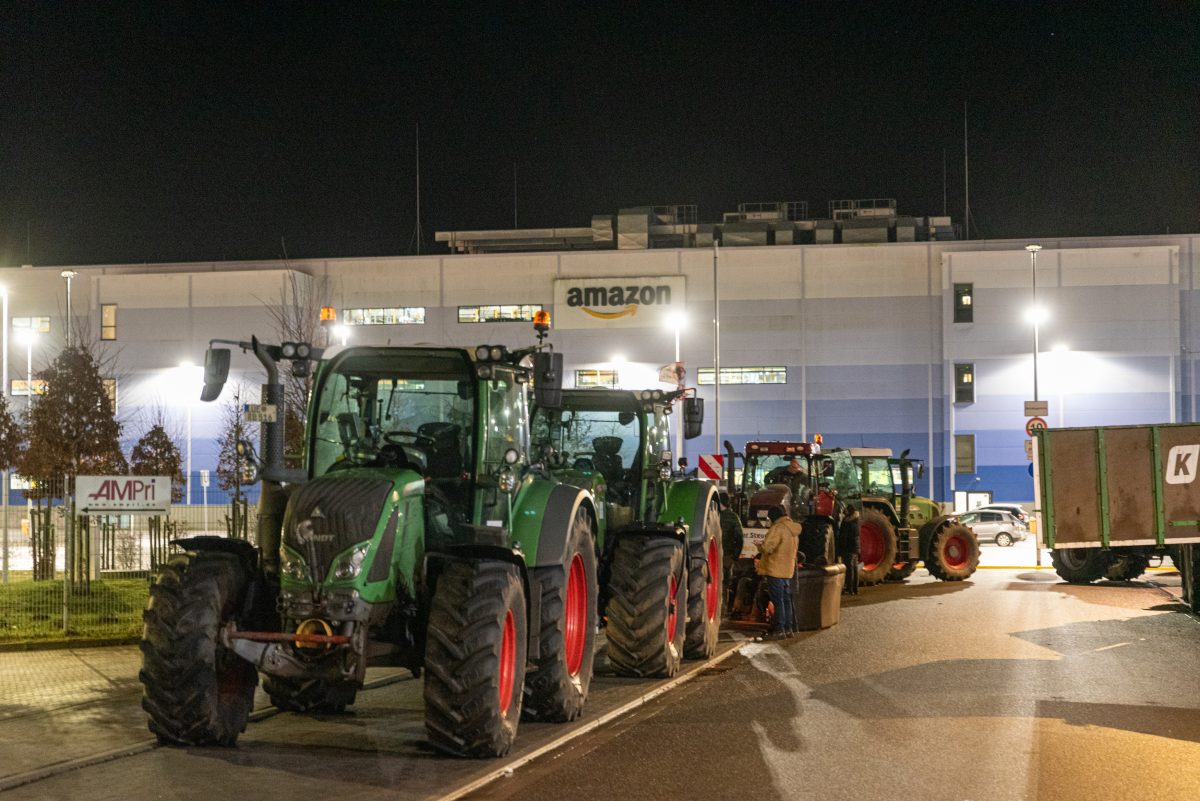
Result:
x=475 y=658
x=901 y=570
x=566 y=642
x=953 y=553
x=1079 y=565
x=877 y=547
x=195 y=691
x=705 y=591
x=647 y=610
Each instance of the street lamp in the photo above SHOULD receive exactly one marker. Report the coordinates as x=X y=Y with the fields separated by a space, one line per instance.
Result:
x=28 y=336
x=1036 y=313
x=341 y=333
x=1061 y=352
x=69 y=274
x=677 y=321
x=186 y=365
x=4 y=393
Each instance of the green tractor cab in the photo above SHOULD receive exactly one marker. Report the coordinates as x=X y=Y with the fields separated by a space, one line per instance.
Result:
x=419 y=533
x=659 y=538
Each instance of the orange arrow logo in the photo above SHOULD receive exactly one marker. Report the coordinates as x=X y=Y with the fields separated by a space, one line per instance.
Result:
x=628 y=311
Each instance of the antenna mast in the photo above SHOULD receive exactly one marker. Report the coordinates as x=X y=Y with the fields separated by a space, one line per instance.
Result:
x=415 y=243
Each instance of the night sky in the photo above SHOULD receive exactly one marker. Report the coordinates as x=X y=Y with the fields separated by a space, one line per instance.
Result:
x=173 y=131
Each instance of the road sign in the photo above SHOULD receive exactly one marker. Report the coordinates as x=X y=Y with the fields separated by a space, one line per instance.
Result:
x=99 y=494
x=204 y=478
x=1037 y=408
x=259 y=412
x=1034 y=424
x=712 y=466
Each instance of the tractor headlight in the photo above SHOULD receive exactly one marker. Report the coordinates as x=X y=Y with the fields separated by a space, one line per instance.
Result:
x=507 y=480
x=293 y=566
x=350 y=563
x=481 y=353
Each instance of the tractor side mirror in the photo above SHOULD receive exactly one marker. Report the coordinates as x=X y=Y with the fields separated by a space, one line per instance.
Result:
x=693 y=417
x=921 y=470
x=548 y=379
x=216 y=372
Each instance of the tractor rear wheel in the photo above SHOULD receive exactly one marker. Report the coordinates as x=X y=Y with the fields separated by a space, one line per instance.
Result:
x=877 y=547
x=475 y=658
x=1079 y=565
x=313 y=695
x=1126 y=566
x=953 y=552
x=566 y=641
x=901 y=570
x=705 y=591
x=648 y=606
x=196 y=691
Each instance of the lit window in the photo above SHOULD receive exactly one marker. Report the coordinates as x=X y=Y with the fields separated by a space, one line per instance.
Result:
x=964 y=383
x=964 y=311
x=595 y=378
x=964 y=453
x=744 y=375
x=394 y=315
x=498 y=314
x=39 y=324
x=110 y=389
x=108 y=321
x=19 y=386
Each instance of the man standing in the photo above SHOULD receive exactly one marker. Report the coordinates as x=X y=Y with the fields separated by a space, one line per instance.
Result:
x=778 y=564
x=849 y=543
x=731 y=542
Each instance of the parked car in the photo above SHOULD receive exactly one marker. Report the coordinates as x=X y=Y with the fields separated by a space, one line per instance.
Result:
x=993 y=525
x=1016 y=510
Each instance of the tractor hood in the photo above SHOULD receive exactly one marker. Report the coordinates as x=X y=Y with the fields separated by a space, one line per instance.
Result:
x=331 y=513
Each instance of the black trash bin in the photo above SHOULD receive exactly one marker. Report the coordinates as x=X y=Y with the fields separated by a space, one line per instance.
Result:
x=817 y=596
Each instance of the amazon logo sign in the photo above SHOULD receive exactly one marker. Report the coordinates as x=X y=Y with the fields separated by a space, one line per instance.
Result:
x=616 y=302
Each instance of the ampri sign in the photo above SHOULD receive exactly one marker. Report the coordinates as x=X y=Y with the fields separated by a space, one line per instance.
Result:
x=104 y=494
x=617 y=302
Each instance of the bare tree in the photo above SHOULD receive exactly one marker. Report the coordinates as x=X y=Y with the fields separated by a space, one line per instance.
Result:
x=234 y=428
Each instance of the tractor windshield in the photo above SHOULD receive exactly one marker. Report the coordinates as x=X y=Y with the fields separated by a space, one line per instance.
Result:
x=765 y=469
x=839 y=471
x=395 y=407
x=603 y=441
x=877 y=473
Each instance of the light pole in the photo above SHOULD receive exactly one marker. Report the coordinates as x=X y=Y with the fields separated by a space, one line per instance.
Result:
x=69 y=274
x=1062 y=352
x=187 y=366
x=4 y=393
x=677 y=321
x=1035 y=312
x=28 y=336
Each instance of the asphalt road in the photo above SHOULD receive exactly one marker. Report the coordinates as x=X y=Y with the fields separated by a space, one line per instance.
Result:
x=1009 y=686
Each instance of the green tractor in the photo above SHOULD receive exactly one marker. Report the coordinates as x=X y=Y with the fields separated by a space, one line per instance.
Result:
x=898 y=528
x=659 y=534
x=419 y=534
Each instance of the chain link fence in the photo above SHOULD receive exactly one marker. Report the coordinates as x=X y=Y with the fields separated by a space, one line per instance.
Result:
x=66 y=576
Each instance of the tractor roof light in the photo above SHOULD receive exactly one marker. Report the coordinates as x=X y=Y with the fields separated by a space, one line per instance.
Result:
x=288 y=350
x=328 y=314
x=481 y=353
x=541 y=321
x=497 y=353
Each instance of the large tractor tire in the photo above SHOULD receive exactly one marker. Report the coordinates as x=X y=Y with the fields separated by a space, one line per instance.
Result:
x=195 y=691
x=475 y=658
x=818 y=541
x=877 y=547
x=567 y=633
x=312 y=695
x=901 y=570
x=705 y=590
x=648 y=608
x=953 y=552
x=1126 y=566
x=1079 y=565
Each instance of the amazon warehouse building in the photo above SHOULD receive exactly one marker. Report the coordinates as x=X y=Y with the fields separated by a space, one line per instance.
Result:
x=868 y=328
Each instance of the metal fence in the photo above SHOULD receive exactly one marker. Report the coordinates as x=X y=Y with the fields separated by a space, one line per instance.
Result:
x=88 y=576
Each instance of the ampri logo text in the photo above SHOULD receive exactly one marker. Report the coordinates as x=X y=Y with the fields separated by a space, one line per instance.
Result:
x=625 y=302
x=1182 y=463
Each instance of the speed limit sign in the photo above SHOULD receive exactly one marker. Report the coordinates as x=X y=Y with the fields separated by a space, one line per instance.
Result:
x=1034 y=424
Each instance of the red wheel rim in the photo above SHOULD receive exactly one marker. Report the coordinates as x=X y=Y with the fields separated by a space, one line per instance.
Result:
x=955 y=550
x=508 y=662
x=870 y=545
x=575 y=624
x=712 y=593
x=673 y=610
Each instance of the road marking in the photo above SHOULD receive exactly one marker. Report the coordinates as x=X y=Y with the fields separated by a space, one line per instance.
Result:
x=510 y=767
x=1110 y=647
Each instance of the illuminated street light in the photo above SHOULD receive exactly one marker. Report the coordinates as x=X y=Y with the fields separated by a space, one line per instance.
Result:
x=341 y=333
x=187 y=366
x=1036 y=313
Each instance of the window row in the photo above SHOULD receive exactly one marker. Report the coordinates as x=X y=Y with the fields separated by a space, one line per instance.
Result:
x=108 y=322
x=19 y=387
x=415 y=315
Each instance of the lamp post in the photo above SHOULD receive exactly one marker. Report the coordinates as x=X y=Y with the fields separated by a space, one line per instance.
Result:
x=1061 y=353
x=28 y=336
x=1035 y=312
x=4 y=393
x=69 y=274
x=187 y=366
x=677 y=321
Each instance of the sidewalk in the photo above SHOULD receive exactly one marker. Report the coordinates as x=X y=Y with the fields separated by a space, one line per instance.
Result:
x=42 y=681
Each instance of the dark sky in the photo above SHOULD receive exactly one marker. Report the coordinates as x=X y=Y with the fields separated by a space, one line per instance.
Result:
x=175 y=131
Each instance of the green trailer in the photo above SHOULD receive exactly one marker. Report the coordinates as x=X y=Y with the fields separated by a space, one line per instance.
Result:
x=1112 y=499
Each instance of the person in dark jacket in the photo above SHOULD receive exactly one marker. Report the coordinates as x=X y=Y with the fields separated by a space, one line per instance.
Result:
x=731 y=544
x=849 y=543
